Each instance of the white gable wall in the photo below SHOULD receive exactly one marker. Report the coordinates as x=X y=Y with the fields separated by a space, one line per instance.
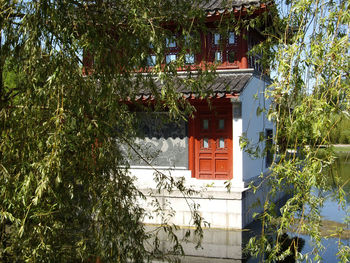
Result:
x=237 y=169
x=252 y=98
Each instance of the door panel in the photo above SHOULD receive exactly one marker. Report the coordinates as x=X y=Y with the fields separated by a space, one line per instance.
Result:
x=205 y=165
x=213 y=143
x=221 y=165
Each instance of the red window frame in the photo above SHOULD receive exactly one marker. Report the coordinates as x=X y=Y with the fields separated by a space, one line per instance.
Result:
x=224 y=47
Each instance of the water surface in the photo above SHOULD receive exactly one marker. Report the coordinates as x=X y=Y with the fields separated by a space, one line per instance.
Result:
x=226 y=245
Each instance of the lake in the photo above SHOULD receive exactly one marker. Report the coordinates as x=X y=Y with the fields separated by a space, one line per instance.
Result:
x=332 y=212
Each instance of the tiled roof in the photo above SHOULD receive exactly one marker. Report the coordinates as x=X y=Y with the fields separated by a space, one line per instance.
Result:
x=220 y=6
x=220 y=86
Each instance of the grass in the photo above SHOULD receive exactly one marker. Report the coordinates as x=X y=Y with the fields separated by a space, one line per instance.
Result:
x=328 y=229
x=342 y=148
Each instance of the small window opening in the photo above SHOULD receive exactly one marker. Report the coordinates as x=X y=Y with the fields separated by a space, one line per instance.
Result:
x=231 y=38
x=151 y=60
x=205 y=143
x=170 y=42
x=218 y=56
x=231 y=56
x=217 y=39
x=205 y=124
x=170 y=58
x=221 y=124
x=268 y=145
x=189 y=59
x=222 y=143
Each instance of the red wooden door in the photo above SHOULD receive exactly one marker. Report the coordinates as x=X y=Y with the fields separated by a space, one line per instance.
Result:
x=213 y=144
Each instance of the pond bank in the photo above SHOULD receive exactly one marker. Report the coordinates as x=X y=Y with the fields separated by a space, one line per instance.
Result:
x=341 y=147
x=328 y=228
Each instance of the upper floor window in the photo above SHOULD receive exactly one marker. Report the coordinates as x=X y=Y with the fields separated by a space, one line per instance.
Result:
x=172 y=51
x=151 y=60
x=216 y=38
x=190 y=44
x=231 y=56
x=170 y=58
x=231 y=38
x=187 y=40
x=189 y=59
x=223 y=48
x=170 y=42
x=218 y=57
x=268 y=147
x=254 y=57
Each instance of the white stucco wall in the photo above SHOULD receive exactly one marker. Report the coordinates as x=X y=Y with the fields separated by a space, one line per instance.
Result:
x=237 y=155
x=253 y=124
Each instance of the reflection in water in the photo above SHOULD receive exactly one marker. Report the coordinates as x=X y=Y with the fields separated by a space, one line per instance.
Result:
x=340 y=173
x=294 y=244
x=220 y=246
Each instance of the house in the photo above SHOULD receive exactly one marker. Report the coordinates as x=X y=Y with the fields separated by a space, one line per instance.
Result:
x=205 y=150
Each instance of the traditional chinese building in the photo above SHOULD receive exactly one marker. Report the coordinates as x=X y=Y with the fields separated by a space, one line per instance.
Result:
x=206 y=149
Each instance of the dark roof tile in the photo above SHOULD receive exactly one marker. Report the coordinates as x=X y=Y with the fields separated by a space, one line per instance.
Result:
x=222 y=85
x=213 y=6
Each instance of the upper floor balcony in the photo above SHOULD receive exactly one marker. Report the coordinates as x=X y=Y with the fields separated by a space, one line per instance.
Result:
x=222 y=43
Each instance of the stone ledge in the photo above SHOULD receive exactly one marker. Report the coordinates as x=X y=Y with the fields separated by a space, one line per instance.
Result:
x=211 y=194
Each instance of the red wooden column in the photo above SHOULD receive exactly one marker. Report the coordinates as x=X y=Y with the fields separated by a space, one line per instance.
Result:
x=191 y=152
x=244 y=50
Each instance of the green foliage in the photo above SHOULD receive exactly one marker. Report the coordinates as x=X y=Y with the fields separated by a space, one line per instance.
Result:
x=341 y=132
x=64 y=196
x=307 y=51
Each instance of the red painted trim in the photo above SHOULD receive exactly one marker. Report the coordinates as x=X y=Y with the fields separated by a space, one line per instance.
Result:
x=244 y=50
x=229 y=96
x=191 y=155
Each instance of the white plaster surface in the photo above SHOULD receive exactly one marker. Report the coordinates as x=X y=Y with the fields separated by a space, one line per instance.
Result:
x=237 y=169
x=253 y=97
